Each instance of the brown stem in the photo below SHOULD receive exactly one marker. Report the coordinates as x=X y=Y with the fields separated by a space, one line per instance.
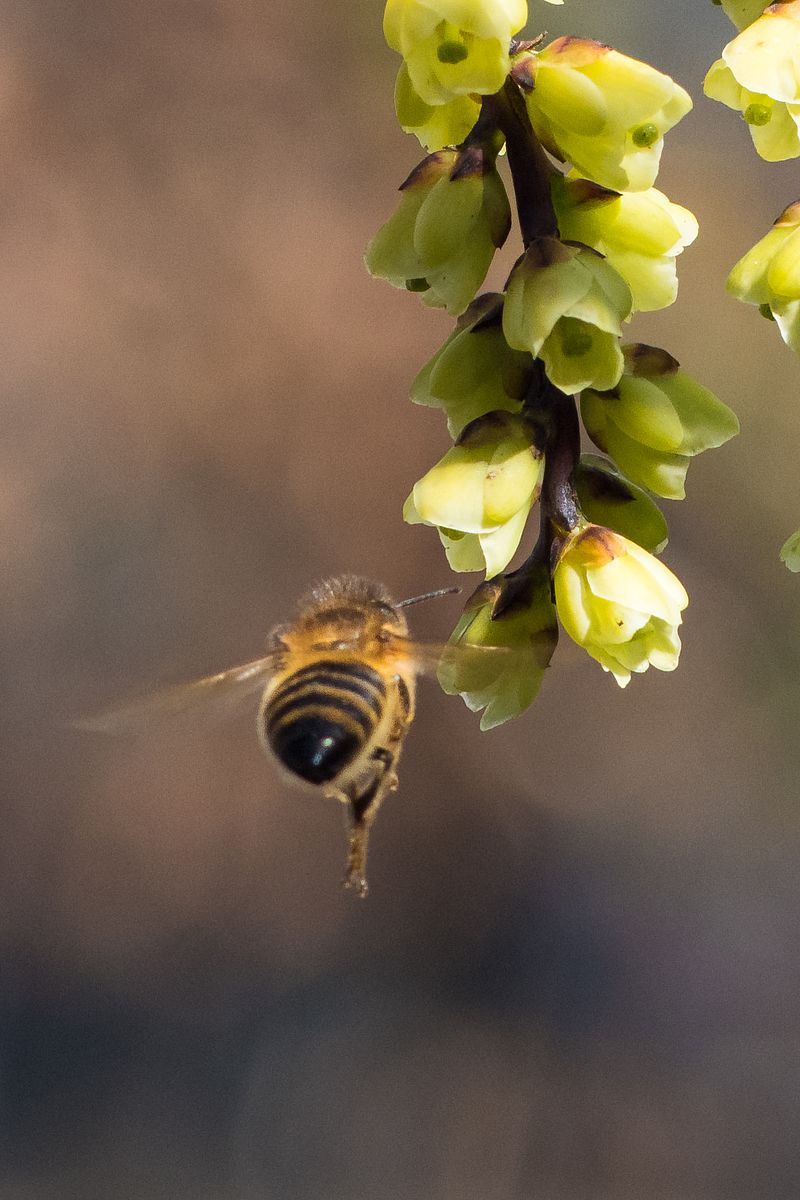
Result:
x=556 y=415
x=531 y=169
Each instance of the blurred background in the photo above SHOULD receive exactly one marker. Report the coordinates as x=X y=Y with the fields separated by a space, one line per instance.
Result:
x=576 y=975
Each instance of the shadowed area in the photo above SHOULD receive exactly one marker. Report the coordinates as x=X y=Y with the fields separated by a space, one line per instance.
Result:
x=576 y=975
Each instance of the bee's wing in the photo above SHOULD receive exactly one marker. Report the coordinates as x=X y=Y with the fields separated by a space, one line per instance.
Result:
x=426 y=658
x=214 y=696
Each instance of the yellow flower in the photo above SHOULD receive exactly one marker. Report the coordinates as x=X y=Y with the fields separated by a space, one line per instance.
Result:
x=759 y=75
x=640 y=234
x=480 y=493
x=618 y=602
x=600 y=110
x=454 y=47
x=769 y=275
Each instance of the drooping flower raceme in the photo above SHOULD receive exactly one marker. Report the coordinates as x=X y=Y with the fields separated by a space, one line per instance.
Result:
x=639 y=233
x=759 y=75
x=454 y=47
x=656 y=420
x=480 y=494
x=618 y=602
x=453 y=214
x=769 y=275
x=600 y=110
x=566 y=304
x=599 y=244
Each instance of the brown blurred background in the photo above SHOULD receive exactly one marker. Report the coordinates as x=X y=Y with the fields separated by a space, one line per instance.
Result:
x=576 y=975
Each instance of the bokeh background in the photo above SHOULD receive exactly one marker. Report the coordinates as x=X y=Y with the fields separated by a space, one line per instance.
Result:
x=576 y=975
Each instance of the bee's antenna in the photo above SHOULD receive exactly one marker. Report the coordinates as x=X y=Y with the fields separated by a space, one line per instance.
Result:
x=450 y=591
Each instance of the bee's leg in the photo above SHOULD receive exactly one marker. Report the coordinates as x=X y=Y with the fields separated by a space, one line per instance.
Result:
x=362 y=810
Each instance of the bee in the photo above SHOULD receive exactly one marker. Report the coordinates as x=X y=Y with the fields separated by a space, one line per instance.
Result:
x=337 y=702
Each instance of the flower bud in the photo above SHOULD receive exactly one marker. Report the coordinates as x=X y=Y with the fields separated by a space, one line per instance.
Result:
x=640 y=234
x=476 y=371
x=438 y=125
x=501 y=684
x=480 y=493
x=454 y=47
x=453 y=214
x=769 y=275
x=606 y=497
x=566 y=305
x=655 y=420
x=600 y=110
x=618 y=602
x=759 y=76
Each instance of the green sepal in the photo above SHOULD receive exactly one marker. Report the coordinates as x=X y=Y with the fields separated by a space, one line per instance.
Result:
x=607 y=498
x=475 y=371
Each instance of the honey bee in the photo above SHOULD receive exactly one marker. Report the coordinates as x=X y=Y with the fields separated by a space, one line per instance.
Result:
x=338 y=698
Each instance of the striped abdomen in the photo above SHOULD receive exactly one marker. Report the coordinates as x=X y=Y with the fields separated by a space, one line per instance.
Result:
x=320 y=718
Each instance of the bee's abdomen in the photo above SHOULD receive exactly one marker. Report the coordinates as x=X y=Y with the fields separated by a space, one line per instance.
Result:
x=320 y=717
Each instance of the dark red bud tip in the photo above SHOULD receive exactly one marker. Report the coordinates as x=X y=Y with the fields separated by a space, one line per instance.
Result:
x=430 y=169
x=649 y=361
x=790 y=215
x=485 y=312
x=582 y=50
x=585 y=191
x=490 y=424
x=546 y=252
x=523 y=72
x=472 y=160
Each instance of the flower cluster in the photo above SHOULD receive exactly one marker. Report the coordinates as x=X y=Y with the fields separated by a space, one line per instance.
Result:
x=583 y=129
x=758 y=75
